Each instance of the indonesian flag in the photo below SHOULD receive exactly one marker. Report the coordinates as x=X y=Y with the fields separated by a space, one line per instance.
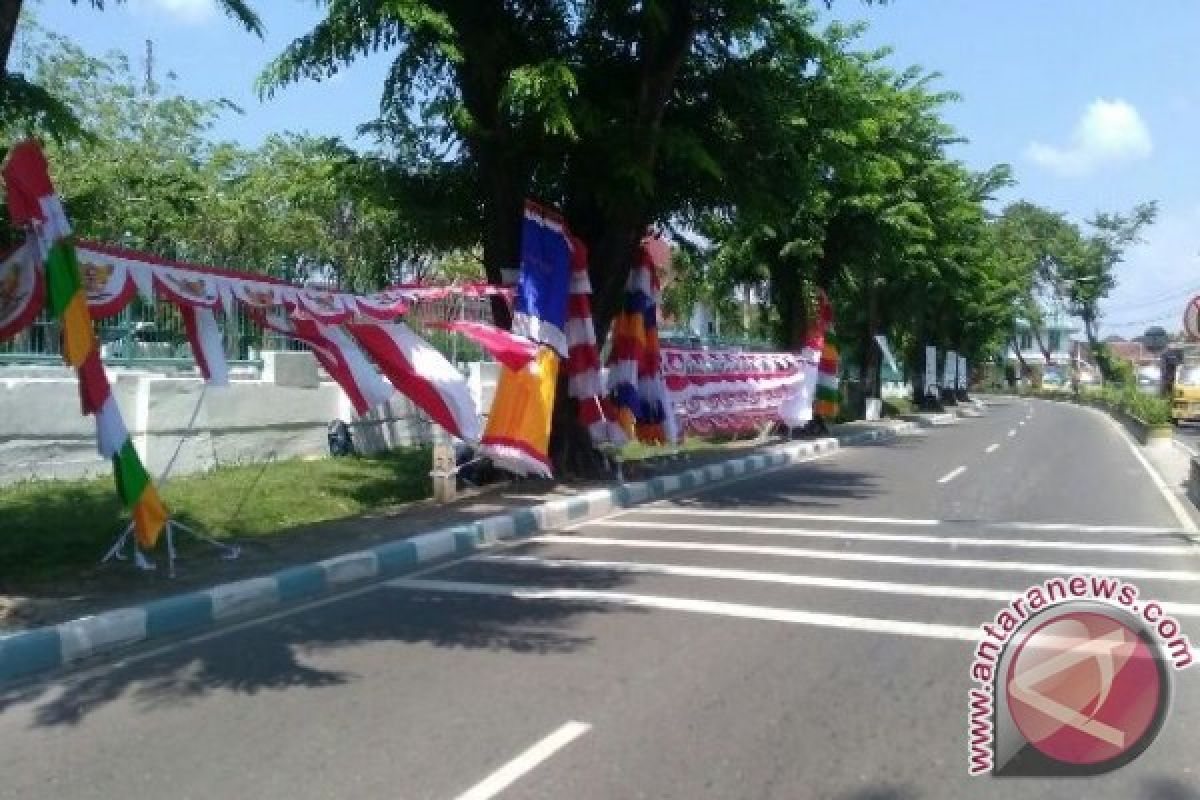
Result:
x=205 y=339
x=421 y=373
x=797 y=407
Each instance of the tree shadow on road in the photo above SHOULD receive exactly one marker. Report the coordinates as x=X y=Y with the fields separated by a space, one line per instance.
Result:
x=1167 y=789
x=880 y=793
x=286 y=653
x=825 y=485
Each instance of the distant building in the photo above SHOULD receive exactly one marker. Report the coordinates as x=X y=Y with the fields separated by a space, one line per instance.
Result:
x=1055 y=337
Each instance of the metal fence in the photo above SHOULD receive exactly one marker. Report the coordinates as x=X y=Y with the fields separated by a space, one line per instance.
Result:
x=153 y=337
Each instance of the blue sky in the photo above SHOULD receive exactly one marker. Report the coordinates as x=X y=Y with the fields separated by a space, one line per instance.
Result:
x=1095 y=103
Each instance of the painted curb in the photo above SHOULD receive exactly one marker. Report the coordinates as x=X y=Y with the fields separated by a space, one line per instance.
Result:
x=39 y=649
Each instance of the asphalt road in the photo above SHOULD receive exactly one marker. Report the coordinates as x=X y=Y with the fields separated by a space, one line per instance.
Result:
x=801 y=634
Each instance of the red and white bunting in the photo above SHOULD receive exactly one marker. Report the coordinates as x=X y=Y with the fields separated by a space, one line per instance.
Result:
x=22 y=291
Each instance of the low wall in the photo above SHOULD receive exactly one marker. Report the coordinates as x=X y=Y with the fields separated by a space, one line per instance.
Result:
x=43 y=434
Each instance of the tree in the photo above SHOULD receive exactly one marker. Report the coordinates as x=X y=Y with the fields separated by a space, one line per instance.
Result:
x=28 y=105
x=1088 y=276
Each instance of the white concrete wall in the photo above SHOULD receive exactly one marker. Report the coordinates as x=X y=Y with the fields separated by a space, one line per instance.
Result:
x=44 y=435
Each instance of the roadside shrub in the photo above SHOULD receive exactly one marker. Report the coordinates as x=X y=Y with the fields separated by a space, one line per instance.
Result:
x=895 y=406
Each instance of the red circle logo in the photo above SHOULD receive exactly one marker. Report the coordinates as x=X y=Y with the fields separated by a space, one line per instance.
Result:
x=1085 y=688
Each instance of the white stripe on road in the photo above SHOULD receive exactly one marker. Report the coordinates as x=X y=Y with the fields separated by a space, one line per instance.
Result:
x=1173 y=550
x=1022 y=423
x=991 y=448
x=1031 y=526
x=1078 y=528
x=875 y=558
x=1181 y=514
x=1012 y=433
x=952 y=474
x=714 y=512
x=511 y=772
x=766 y=613
x=790 y=579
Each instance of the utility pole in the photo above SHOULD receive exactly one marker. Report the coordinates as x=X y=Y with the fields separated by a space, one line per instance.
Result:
x=150 y=88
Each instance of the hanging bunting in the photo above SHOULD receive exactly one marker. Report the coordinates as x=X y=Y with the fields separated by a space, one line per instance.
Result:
x=584 y=383
x=22 y=291
x=635 y=382
x=33 y=202
x=422 y=374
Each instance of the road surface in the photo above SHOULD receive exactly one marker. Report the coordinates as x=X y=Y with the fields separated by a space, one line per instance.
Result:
x=799 y=634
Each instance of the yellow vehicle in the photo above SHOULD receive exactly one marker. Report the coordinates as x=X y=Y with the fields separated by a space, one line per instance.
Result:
x=1181 y=382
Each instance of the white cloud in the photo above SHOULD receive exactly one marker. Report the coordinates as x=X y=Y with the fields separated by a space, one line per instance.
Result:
x=1109 y=132
x=189 y=11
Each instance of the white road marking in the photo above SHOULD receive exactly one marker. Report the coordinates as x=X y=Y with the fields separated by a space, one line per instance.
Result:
x=924 y=523
x=744 y=611
x=1079 y=528
x=1181 y=514
x=1022 y=423
x=874 y=558
x=869 y=536
x=991 y=448
x=511 y=772
x=790 y=579
x=1012 y=433
x=1185 y=448
x=952 y=474
x=714 y=512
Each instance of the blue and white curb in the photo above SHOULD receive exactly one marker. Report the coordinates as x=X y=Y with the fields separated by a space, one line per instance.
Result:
x=39 y=649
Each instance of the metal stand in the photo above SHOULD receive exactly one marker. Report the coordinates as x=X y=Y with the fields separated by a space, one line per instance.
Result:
x=229 y=552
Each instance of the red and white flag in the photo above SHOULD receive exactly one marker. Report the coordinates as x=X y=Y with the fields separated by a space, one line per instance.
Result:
x=205 y=337
x=421 y=373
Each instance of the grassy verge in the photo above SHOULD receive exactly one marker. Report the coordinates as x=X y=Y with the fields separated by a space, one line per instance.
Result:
x=636 y=451
x=50 y=529
x=1148 y=409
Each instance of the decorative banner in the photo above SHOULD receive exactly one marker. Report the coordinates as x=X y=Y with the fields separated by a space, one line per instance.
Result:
x=713 y=391
x=107 y=281
x=949 y=379
x=882 y=341
x=540 y=310
x=34 y=203
x=962 y=373
x=517 y=437
x=828 y=390
x=931 y=384
x=22 y=291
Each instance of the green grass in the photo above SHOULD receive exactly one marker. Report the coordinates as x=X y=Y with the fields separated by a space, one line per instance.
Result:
x=51 y=528
x=636 y=451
